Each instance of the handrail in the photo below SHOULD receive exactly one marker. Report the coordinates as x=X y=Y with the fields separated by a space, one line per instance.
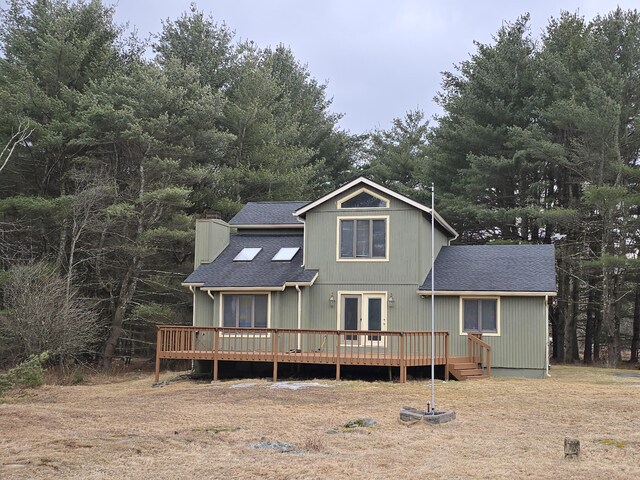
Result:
x=478 y=349
x=479 y=341
x=292 y=345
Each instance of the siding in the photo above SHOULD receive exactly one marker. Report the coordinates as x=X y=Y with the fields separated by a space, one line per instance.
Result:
x=409 y=246
x=212 y=236
x=521 y=343
x=284 y=309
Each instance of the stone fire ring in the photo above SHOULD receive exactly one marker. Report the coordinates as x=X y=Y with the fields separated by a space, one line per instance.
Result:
x=409 y=414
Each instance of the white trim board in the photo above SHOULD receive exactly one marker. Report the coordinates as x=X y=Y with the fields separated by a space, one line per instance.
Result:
x=481 y=293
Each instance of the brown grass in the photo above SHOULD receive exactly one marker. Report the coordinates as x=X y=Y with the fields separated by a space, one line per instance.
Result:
x=506 y=428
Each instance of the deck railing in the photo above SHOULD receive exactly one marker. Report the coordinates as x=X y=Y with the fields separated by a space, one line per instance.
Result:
x=281 y=345
x=479 y=352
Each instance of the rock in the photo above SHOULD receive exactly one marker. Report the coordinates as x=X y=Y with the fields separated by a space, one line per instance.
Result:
x=571 y=448
x=278 y=446
x=360 y=422
x=243 y=385
x=297 y=385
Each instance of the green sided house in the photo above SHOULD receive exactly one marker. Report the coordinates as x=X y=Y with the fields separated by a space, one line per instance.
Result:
x=346 y=280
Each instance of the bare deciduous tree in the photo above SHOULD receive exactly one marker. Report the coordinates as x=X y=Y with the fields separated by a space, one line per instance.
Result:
x=38 y=317
x=20 y=136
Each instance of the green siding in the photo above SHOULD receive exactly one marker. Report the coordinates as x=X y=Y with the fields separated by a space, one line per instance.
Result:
x=409 y=246
x=203 y=309
x=521 y=343
x=284 y=309
x=212 y=236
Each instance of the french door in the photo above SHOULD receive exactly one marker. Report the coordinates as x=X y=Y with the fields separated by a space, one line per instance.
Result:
x=363 y=311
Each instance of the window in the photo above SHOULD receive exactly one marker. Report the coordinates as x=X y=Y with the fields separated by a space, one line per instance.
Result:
x=245 y=311
x=247 y=254
x=363 y=238
x=364 y=199
x=480 y=315
x=285 y=254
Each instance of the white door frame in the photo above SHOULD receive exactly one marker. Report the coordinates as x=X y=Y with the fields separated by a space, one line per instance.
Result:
x=363 y=311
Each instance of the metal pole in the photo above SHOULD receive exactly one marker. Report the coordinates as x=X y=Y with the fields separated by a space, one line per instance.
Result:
x=433 y=305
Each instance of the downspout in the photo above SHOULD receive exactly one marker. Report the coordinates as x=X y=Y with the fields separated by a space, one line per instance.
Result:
x=304 y=243
x=299 y=313
x=193 y=314
x=546 y=338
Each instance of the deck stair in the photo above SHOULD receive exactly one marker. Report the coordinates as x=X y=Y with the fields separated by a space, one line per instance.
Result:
x=461 y=368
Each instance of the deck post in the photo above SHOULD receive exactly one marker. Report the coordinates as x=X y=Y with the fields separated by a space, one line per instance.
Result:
x=403 y=361
x=275 y=355
x=158 y=348
x=488 y=363
x=216 y=335
x=338 y=355
x=446 y=357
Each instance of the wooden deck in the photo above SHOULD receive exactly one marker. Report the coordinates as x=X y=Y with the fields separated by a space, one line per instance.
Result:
x=332 y=347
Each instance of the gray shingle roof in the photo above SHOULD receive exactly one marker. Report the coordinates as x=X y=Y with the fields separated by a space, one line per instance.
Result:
x=498 y=268
x=268 y=213
x=261 y=271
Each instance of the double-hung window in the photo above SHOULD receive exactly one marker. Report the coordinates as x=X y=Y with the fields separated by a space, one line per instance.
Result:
x=362 y=238
x=480 y=315
x=245 y=311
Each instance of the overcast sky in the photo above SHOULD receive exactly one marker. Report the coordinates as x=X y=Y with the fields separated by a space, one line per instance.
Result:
x=380 y=58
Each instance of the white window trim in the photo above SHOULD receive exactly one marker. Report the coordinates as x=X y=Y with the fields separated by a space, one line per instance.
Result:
x=362 y=217
x=358 y=192
x=243 y=292
x=481 y=297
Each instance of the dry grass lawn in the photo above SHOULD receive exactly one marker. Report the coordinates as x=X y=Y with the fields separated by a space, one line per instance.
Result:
x=506 y=428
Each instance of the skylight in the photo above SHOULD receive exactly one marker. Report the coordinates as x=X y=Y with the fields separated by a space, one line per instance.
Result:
x=247 y=254
x=285 y=254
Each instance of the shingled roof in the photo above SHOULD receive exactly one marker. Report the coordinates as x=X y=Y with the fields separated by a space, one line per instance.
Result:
x=223 y=272
x=494 y=268
x=268 y=213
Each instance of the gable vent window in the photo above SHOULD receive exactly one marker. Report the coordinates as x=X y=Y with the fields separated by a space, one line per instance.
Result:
x=285 y=254
x=247 y=254
x=363 y=238
x=364 y=200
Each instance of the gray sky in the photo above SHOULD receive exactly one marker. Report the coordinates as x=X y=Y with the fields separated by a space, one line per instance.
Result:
x=380 y=58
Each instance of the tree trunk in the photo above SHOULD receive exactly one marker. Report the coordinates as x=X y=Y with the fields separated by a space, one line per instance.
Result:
x=127 y=289
x=591 y=323
x=128 y=286
x=635 y=339
x=571 y=320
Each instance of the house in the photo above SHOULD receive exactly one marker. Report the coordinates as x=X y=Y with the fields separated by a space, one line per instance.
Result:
x=346 y=280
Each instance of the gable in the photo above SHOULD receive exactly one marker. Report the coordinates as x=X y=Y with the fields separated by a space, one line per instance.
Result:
x=379 y=191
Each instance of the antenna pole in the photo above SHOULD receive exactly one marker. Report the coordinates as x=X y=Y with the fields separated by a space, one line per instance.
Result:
x=433 y=305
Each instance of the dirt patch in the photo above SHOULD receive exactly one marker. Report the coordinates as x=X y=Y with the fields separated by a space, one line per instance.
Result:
x=505 y=427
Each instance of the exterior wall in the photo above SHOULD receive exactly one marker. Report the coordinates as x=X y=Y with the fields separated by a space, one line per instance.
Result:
x=202 y=309
x=521 y=344
x=409 y=244
x=402 y=316
x=212 y=236
x=284 y=308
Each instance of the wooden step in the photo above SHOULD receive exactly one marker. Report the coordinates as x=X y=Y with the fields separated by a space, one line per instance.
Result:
x=470 y=372
x=463 y=365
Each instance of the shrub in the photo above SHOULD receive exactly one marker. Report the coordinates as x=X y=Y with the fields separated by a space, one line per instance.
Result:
x=39 y=316
x=28 y=374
